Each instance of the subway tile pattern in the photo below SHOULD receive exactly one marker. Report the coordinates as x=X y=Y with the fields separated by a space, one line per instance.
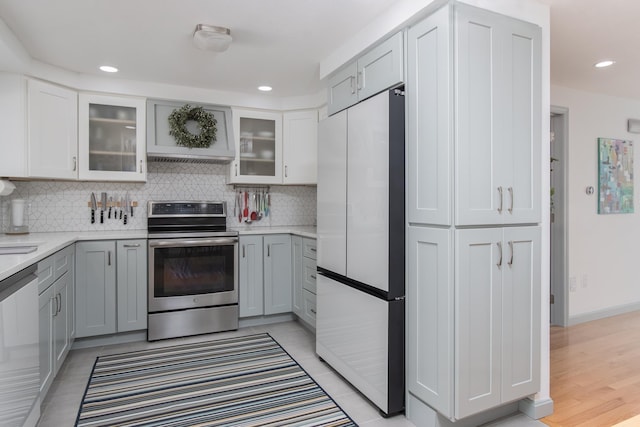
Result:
x=63 y=205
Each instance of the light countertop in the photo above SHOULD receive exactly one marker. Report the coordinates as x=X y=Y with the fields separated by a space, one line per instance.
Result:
x=49 y=243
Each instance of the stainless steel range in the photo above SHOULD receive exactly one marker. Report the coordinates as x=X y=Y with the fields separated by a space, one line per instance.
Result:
x=193 y=269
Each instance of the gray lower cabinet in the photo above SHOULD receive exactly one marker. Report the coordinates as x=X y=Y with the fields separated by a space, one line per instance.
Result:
x=56 y=313
x=265 y=275
x=304 y=279
x=473 y=303
x=112 y=286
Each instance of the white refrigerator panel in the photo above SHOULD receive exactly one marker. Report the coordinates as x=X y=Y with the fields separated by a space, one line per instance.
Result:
x=332 y=193
x=368 y=192
x=352 y=336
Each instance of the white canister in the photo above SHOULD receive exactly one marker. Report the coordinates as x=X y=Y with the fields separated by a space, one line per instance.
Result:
x=17 y=212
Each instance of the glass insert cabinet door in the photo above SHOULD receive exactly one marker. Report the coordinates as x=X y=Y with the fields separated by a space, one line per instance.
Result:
x=259 y=147
x=112 y=138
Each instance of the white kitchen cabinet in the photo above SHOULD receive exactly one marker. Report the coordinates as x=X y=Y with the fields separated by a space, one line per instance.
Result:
x=376 y=70
x=111 y=138
x=56 y=286
x=258 y=147
x=96 y=288
x=486 y=73
x=265 y=285
x=300 y=147
x=38 y=131
x=53 y=131
x=111 y=291
x=474 y=323
x=131 y=285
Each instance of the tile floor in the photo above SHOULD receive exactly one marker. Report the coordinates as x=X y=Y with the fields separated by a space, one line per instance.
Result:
x=60 y=407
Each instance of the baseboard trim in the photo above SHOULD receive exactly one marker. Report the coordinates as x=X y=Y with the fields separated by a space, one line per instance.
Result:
x=536 y=409
x=264 y=320
x=601 y=314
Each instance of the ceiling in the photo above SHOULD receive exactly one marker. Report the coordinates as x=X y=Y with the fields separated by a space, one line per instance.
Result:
x=281 y=42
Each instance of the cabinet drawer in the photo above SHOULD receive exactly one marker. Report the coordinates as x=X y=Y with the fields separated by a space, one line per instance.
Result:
x=63 y=261
x=309 y=308
x=309 y=273
x=309 y=248
x=45 y=274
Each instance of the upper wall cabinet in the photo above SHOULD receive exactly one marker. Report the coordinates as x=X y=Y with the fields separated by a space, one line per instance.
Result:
x=300 y=147
x=112 y=145
x=38 y=129
x=52 y=131
x=487 y=75
x=275 y=148
x=378 y=69
x=259 y=141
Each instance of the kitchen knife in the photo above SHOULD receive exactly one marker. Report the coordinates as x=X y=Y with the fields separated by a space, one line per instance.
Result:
x=121 y=206
x=103 y=206
x=94 y=206
x=126 y=208
x=110 y=207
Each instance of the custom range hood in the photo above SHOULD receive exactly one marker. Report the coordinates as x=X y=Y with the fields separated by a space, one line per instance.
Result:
x=162 y=146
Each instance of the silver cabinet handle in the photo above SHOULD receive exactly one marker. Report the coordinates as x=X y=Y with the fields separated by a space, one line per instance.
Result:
x=312 y=249
x=286 y=173
x=75 y=163
x=510 y=190
x=131 y=245
x=243 y=252
x=353 y=86
x=140 y=166
x=500 y=192
x=108 y=257
x=313 y=276
x=236 y=167
x=268 y=250
x=313 y=311
x=499 y=264
x=511 y=250
x=55 y=313
x=360 y=80
x=59 y=307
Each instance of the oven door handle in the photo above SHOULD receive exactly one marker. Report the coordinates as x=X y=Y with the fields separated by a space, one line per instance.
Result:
x=196 y=242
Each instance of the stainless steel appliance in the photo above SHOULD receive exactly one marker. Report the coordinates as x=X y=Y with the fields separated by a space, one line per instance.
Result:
x=361 y=244
x=193 y=269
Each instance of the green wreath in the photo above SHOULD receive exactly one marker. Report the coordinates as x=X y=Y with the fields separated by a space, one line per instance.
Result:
x=207 y=123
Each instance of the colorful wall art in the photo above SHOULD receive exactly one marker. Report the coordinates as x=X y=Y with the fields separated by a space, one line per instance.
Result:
x=615 y=176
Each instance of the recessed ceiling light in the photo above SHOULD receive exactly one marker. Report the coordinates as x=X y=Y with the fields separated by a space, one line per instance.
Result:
x=265 y=88
x=108 y=69
x=603 y=64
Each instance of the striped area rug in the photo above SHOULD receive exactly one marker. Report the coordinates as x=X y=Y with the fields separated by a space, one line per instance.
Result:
x=245 y=381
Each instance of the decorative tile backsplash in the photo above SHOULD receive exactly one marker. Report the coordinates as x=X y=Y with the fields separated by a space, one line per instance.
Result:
x=63 y=205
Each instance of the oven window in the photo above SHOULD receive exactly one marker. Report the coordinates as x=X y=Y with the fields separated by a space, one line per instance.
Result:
x=193 y=270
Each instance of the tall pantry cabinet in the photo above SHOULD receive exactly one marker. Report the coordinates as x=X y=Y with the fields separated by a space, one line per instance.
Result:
x=473 y=254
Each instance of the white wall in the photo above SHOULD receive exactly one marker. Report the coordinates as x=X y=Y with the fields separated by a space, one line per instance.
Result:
x=603 y=249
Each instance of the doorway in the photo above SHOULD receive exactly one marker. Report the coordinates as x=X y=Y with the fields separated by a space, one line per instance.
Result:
x=559 y=281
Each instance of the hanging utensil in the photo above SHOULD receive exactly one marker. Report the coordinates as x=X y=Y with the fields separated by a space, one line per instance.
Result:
x=126 y=208
x=121 y=206
x=254 y=215
x=245 y=212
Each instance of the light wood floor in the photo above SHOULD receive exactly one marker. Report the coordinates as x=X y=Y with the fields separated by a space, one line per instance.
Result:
x=595 y=372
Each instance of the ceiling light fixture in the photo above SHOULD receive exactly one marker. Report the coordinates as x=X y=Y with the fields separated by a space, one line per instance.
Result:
x=108 y=69
x=215 y=39
x=265 y=88
x=603 y=64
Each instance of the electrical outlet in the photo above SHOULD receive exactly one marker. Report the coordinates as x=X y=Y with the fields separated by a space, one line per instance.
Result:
x=584 y=281
x=573 y=285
